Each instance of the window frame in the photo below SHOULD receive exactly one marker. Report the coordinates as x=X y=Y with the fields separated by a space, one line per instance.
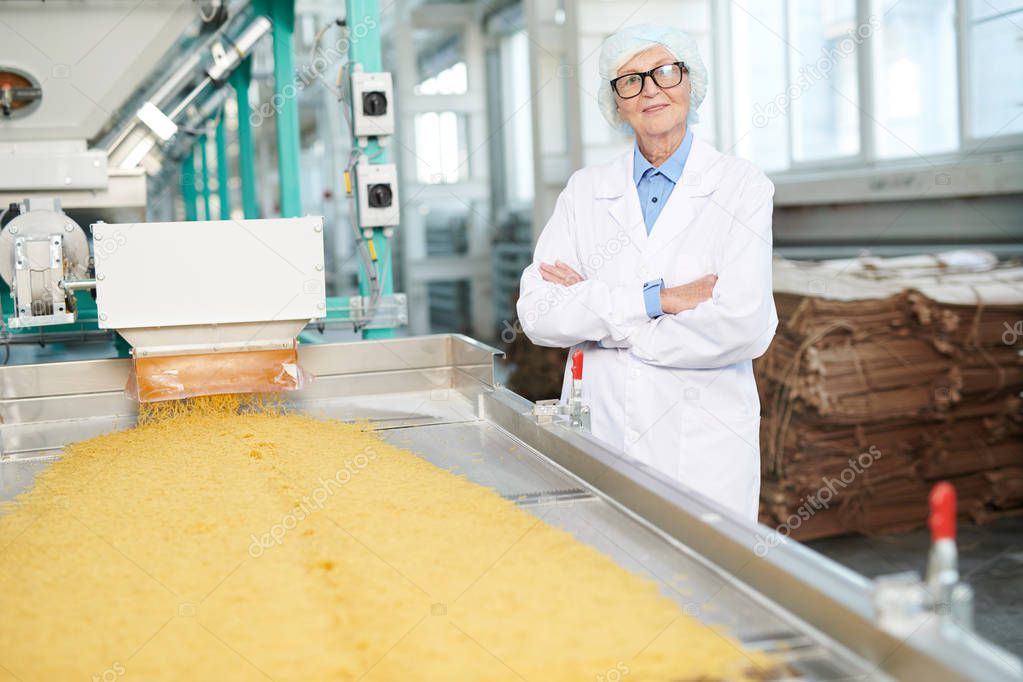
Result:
x=968 y=142
x=827 y=175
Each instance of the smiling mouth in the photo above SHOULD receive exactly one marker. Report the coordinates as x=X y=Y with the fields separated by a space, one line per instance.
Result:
x=654 y=109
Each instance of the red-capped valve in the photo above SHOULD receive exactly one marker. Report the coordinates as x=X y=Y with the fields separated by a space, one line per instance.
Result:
x=948 y=596
x=942 y=519
x=579 y=413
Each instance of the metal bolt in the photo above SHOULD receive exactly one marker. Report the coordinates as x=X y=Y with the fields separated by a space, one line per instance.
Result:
x=317 y=228
x=68 y=227
x=14 y=229
x=319 y=267
x=97 y=236
x=101 y=276
x=321 y=306
x=103 y=316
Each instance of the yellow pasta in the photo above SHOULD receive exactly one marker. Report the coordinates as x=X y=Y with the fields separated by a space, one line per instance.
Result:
x=210 y=544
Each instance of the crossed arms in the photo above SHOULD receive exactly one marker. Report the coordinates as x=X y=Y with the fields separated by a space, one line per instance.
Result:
x=715 y=321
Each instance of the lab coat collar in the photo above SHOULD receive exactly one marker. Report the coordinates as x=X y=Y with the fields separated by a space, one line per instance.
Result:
x=700 y=177
x=671 y=168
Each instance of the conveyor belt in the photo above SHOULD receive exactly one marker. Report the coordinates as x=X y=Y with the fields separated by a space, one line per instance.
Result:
x=435 y=396
x=486 y=454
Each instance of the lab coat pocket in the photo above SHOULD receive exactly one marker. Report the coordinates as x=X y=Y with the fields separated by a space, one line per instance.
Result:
x=720 y=458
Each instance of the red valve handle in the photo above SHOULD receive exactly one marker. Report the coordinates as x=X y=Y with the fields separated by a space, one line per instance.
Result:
x=577 y=365
x=943 y=512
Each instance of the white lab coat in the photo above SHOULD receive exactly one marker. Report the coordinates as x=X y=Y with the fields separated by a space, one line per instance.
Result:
x=676 y=392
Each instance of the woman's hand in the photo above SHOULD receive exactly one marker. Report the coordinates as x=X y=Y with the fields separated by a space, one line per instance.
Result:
x=560 y=273
x=687 y=296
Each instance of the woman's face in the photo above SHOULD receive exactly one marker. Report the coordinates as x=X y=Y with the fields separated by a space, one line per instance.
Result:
x=654 y=111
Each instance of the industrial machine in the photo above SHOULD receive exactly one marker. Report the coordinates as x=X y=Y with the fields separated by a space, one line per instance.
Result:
x=436 y=395
x=166 y=74
x=218 y=305
x=202 y=306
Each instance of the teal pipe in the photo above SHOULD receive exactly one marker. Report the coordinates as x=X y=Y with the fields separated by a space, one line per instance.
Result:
x=188 y=195
x=122 y=347
x=223 y=166
x=364 y=48
x=282 y=14
x=241 y=78
x=205 y=166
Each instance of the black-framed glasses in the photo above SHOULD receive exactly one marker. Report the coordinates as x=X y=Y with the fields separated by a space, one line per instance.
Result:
x=663 y=76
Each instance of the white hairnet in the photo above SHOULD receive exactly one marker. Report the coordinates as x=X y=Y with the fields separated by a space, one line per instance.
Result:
x=622 y=46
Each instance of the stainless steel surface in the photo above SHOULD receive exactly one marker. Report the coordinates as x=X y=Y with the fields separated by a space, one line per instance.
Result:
x=435 y=396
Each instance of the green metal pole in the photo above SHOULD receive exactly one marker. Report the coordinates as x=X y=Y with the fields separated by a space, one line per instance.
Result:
x=241 y=78
x=282 y=14
x=223 y=191
x=204 y=164
x=364 y=48
x=188 y=195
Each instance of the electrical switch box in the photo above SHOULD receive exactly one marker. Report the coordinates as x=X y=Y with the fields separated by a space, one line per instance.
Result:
x=377 y=188
x=372 y=104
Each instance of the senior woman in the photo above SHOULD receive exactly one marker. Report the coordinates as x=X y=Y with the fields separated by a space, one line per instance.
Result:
x=658 y=265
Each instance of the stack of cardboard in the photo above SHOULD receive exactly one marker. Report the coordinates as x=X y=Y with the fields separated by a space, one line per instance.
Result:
x=887 y=375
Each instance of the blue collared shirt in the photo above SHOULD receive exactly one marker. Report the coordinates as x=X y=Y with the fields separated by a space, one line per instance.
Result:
x=654 y=185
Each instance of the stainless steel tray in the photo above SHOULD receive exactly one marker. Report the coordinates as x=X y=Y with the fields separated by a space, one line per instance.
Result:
x=436 y=396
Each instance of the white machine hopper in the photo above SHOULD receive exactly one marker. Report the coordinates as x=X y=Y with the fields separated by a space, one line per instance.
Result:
x=210 y=306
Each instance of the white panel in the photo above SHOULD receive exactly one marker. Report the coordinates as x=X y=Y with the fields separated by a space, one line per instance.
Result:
x=88 y=56
x=52 y=165
x=208 y=272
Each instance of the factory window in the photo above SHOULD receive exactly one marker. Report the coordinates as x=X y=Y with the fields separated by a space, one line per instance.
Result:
x=442 y=150
x=761 y=130
x=995 y=39
x=451 y=81
x=796 y=92
x=916 y=110
x=516 y=116
x=822 y=68
x=835 y=83
x=442 y=154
